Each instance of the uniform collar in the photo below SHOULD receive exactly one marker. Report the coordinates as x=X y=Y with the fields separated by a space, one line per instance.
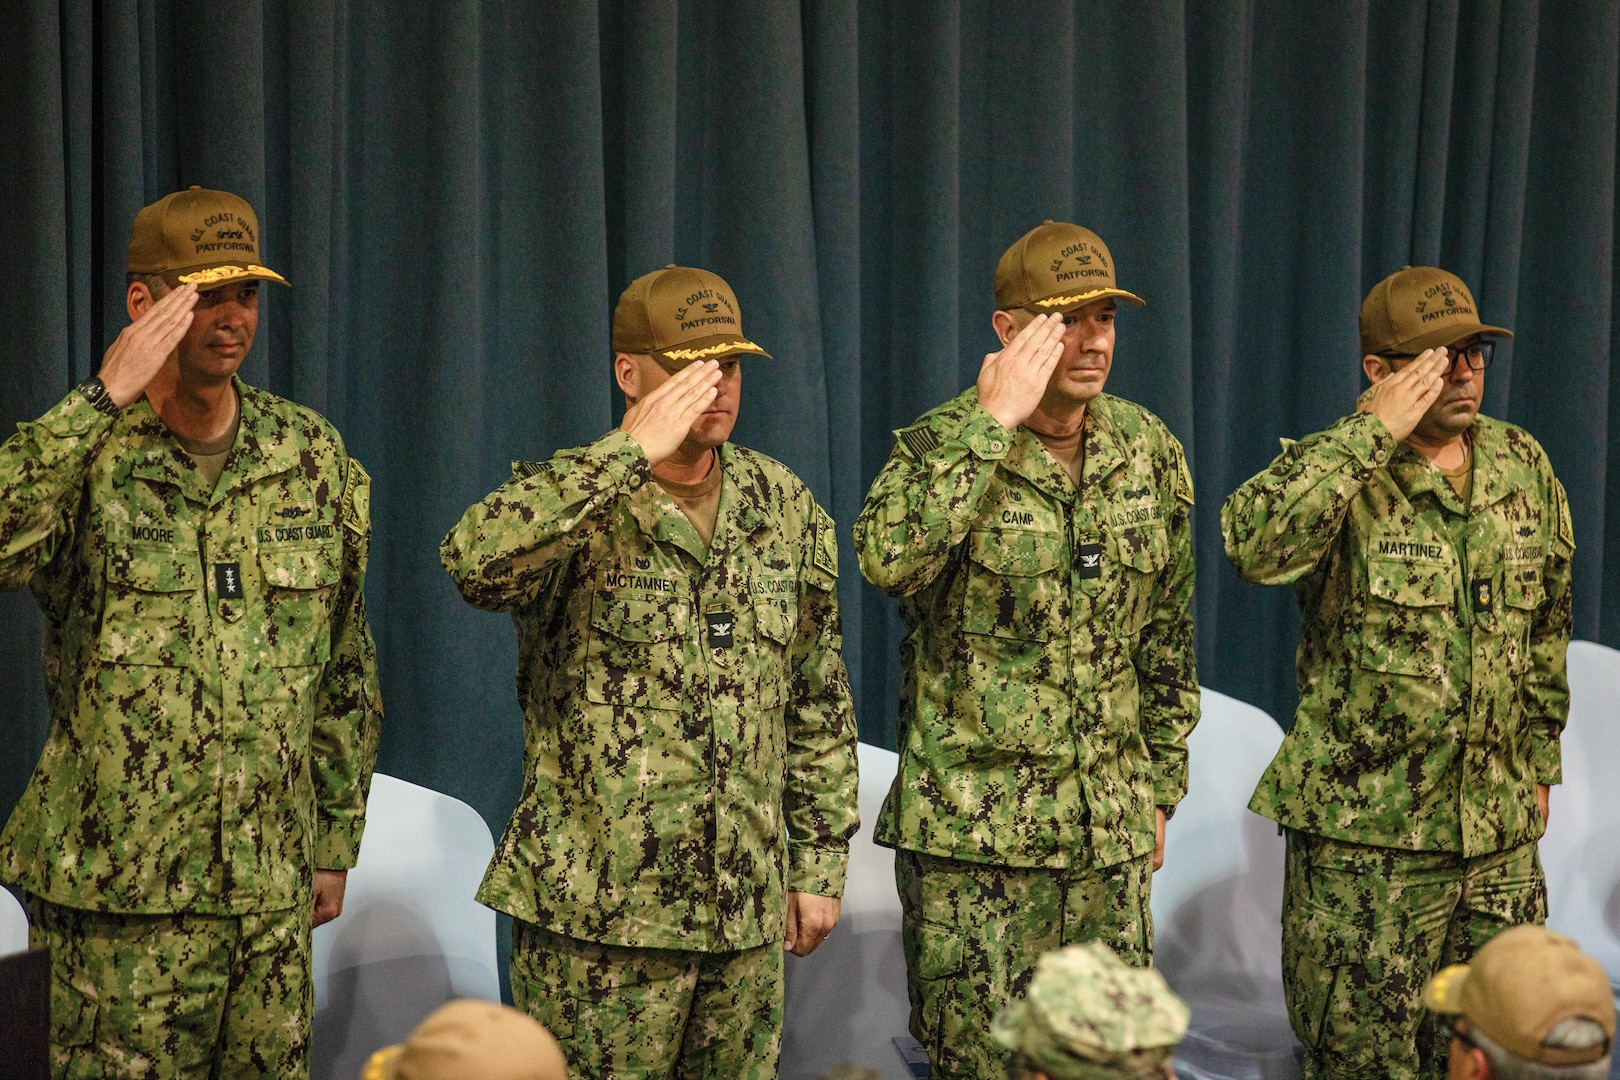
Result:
x=740 y=509
x=263 y=448
x=1102 y=455
x=1416 y=474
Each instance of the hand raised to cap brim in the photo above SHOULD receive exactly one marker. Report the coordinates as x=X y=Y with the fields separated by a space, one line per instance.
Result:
x=1401 y=399
x=138 y=353
x=1013 y=381
x=659 y=422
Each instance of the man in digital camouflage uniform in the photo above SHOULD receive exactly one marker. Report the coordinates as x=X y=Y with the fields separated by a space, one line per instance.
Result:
x=1038 y=535
x=198 y=547
x=1429 y=548
x=1088 y=1016
x=689 y=770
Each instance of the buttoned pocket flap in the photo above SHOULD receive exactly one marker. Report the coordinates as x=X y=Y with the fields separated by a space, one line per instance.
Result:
x=156 y=569
x=300 y=568
x=1144 y=547
x=1409 y=584
x=1016 y=552
x=640 y=619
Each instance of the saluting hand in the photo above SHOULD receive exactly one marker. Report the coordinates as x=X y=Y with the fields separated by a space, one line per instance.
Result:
x=1401 y=399
x=660 y=420
x=140 y=350
x=1012 y=381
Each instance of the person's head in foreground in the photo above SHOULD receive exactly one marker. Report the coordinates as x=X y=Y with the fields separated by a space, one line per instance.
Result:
x=471 y=1040
x=1090 y=1016
x=1529 y=1006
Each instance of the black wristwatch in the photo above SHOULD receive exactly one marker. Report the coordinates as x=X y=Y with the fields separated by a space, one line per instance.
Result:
x=95 y=392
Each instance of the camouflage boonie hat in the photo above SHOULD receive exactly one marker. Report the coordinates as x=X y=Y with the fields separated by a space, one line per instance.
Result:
x=1418 y=308
x=1519 y=986
x=472 y=1040
x=200 y=236
x=1057 y=267
x=1089 y=1016
x=679 y=315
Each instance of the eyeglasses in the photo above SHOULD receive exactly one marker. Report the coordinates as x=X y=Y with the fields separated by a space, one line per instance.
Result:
x=1478 y=354
x=1450 y=1028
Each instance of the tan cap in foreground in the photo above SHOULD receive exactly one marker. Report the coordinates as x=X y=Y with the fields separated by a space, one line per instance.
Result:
x=198 y=235
x=1519 y=986
x=1057 y=267
x=472 y=1040
x=1088 y=1016
x=1418 y=308
x=679 y=315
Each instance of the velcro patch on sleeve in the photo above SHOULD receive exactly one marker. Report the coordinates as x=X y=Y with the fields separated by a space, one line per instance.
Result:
x=357 y=499
x=824 y=539
x=920 y=441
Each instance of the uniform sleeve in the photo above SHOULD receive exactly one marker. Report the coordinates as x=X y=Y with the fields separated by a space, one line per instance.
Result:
x=1546 y=687
x=348 y=703
x=1166 y=670
x=504 y=548
x=1280 y=522
x=821 y=794
x=924 y=501
x=42 y=472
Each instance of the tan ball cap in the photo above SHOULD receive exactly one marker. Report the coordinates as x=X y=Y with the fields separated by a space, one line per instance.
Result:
x=679 y=315
x=1057 y=267
x=472 y=1040
x=1519 y=986
x=1418 y=308
x=198 y=235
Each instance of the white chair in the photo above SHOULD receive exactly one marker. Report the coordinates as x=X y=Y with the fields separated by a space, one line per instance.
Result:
x=411 y=936
x=1217 y=904
x=13 y=925
x=846 y=1002
x=1580 y=853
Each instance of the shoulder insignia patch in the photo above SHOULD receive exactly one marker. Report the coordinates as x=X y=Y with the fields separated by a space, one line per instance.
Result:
x=824 y=539
x=1184 y=484
x=522 y=470
x=1566 y=526
x=920 y=441
x=357 y=499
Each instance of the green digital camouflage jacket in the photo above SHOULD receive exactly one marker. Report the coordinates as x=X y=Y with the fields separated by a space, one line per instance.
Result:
x=1049 y=682
x=1431 y=650
x=210 y=674
x=689 y=741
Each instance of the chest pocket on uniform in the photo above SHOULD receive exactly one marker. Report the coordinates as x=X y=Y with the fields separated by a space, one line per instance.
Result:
x=636 y=654
x=152 y=606
x=774 y=619
x=299 y=586
x=1408 y=604
x=1015 y=584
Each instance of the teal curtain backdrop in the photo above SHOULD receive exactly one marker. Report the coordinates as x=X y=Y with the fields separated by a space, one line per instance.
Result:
x=458 y=191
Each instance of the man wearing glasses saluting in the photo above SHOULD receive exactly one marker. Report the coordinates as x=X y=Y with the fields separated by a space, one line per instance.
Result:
x=1429 y=548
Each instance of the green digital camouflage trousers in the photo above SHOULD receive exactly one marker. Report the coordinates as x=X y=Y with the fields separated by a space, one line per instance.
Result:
x=623 y=1012
x=972 y=933
x=1363 y=930
x=176 y=996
